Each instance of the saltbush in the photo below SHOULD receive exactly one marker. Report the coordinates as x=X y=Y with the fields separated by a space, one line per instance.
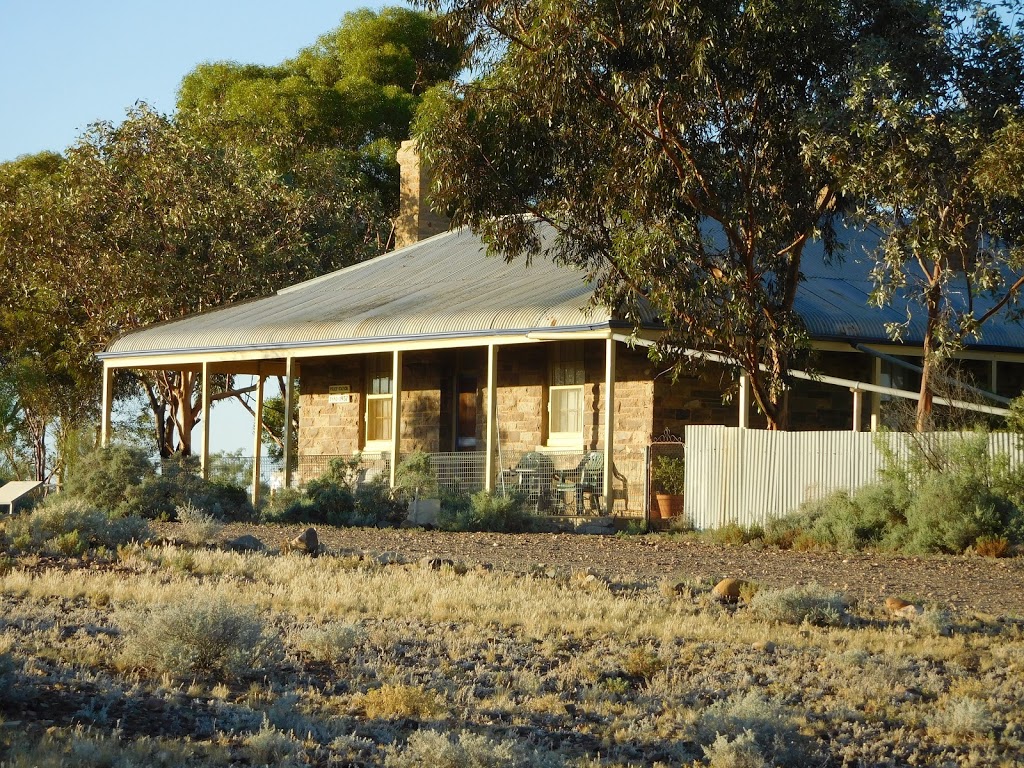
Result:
x=197 y=527
x=945 y=496
x=122 y=481
x=466 y=750
x=106 y=478
x=69 y=526
x=483 y=511
x=795 y=605
x=201 y=638
x=763 y=729
x=337 y=498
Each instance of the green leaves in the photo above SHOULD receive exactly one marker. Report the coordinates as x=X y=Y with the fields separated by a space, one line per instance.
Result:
x=672 y=147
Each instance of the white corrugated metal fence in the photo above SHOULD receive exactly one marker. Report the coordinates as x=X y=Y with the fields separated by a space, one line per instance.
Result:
x=747 y=476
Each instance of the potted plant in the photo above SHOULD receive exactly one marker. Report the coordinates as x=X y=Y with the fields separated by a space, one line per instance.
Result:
x=668 y=478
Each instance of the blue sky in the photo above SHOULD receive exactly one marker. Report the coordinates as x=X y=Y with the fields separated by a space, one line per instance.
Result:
x=67 y=64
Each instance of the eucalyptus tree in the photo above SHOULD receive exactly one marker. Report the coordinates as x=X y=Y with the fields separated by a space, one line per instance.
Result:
x=932 y=168
x=167 y=224
x=668 y=144
x=338 y=109
x=47 y=369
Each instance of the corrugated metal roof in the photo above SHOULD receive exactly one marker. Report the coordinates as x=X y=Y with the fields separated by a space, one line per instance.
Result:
x=447 y=286
x=444 y=286
x=834 y=301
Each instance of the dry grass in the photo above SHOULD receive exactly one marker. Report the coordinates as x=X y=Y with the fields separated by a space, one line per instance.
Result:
x=203 y=657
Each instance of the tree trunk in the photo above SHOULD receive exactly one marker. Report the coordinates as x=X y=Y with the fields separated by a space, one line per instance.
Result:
x=924 y=405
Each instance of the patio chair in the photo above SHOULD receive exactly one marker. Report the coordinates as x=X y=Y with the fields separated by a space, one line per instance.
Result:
x=586 y=478
x=533 y=477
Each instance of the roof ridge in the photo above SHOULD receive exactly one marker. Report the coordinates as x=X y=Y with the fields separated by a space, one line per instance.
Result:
x=365 y=263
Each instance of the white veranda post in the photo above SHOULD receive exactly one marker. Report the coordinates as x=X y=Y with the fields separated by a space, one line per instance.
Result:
x=108 y=405
x=609 y=422
x=396 y=414
x=492 y=419
x=257 y=442
x=205 y=450
x=289 y=400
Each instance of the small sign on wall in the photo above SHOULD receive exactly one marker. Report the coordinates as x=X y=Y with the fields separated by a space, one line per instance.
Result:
x=339 y=393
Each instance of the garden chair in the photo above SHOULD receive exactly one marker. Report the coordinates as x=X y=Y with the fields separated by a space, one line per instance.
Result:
x=532 y=476
x=586 y=478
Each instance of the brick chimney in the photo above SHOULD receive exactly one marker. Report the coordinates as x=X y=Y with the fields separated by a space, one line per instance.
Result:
x=416 y=221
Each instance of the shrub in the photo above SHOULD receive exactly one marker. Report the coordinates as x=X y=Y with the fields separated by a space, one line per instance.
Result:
x=669 y=475
x=465 y=750
x=68 y=526
x=795 y=605
x=159 y=496
x=763 y=729
x=337 y=498
x=485 y=511
x=328 y=642
x=992 y=546
x=122 y=482
x=329 y=502
x=204 y=638
x=945 y=496
x=392 y=702
x=197 y=527
x=963 y=717
x=104 y=478
x=740 y=752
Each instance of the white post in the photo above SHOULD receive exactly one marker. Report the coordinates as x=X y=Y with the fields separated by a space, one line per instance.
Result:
x=204 y=387
x=993 y=378
x=108 y=405
x=289 y=405
x=744 y=398
x=257 y=441
x=396 y=413
x=858 y=408
x=876 y=397
x=609 y=422
x=491 y=438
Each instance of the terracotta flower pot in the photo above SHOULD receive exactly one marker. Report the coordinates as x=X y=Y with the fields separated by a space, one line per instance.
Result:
x=666 y=506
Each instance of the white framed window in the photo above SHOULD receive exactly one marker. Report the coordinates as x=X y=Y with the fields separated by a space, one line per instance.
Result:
x=379 y=385
x=565 y=394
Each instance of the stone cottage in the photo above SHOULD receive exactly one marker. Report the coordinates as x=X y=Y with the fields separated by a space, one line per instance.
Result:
x=436 y=347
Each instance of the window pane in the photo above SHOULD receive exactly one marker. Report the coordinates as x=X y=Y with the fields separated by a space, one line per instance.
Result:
x=567 y=410
x=378 y=418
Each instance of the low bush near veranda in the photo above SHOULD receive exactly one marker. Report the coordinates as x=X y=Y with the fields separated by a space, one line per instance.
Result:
x=485 y=511
x=337 y=498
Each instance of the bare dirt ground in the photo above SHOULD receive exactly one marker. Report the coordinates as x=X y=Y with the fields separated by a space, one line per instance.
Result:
x=966 y=583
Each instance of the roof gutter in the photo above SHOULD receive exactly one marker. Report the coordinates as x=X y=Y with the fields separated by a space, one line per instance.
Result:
x=918 y=369
x=851 y=384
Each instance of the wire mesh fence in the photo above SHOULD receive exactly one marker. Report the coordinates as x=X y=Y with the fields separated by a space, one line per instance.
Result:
x=566 y=482
x=556 y=482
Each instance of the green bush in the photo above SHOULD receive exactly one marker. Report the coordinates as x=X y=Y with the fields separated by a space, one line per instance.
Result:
x=106 y=477
x=68 y=526
x=335 y=498
x=123 y=482
x=204 y=638
x=945 y=496
x=483 y=511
